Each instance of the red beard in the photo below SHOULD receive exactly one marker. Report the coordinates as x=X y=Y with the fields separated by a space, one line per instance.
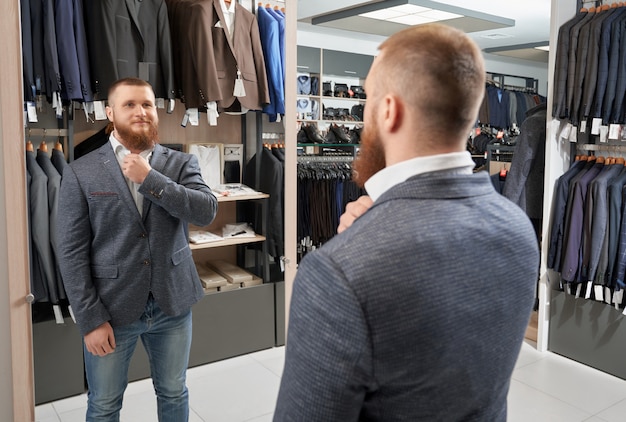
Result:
x=371 y=158
x=136 y=140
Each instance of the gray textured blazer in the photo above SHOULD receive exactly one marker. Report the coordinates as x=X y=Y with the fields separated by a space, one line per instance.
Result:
x=110 y=256
x=415 y=313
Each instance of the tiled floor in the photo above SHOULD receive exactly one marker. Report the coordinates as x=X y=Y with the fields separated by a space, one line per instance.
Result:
x=545 y=387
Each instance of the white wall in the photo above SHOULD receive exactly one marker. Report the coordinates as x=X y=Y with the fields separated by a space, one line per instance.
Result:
x=368 y=44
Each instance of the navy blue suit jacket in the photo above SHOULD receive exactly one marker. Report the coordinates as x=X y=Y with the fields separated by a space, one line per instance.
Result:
x=269 y=29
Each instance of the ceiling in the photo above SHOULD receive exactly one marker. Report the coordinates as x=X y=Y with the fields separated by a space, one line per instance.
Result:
x=530 y=20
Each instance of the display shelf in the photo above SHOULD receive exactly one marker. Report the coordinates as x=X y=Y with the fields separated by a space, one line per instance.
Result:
x=227 y=242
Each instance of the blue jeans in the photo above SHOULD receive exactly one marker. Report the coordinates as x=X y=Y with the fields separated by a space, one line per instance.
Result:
x=167 y=341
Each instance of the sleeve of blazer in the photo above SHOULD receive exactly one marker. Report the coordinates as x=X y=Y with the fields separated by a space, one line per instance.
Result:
x=53 y=74
x=572 y=62
x=27 y=51
x=611 y=81
x=66 y=48
x=188 y=199
x=165 y=54
x=100 y=28
x=620 y=90
x=310 y=388
x=270 y=42
x=258 y=82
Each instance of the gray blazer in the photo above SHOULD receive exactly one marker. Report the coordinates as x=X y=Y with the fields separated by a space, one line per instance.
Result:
x=110 y=256
x=415 y=313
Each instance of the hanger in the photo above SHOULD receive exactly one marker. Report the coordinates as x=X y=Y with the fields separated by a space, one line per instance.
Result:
x=58 y=146
x=29 y=146
x=620 y=160
x=43 y=147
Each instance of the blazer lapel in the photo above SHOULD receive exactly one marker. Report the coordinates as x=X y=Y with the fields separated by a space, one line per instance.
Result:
x=218 y=10
x=131 y=9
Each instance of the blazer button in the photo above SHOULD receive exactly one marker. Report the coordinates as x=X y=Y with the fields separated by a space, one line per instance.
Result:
x=146 y=262
x=143 y=235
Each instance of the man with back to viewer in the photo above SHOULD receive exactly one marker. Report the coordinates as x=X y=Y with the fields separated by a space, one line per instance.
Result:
x=417 y=310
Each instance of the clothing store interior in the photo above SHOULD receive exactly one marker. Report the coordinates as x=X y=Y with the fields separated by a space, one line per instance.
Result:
x=278 y=155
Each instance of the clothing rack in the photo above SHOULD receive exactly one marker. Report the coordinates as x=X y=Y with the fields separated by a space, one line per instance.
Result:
x=498 y=79
x=325 y=158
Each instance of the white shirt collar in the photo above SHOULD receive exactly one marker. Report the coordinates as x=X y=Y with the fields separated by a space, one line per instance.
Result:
x=398 y=173
x=121 y=151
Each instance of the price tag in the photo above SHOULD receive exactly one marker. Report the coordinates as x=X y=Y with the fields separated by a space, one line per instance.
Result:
x=595 y=126
x=614 y=131
x=31 y=112
x=583 y=126
x=573 y=135
x=598 y=292
x=588 y=290
x=98 y=109
x=604 y=134
x=160 y=103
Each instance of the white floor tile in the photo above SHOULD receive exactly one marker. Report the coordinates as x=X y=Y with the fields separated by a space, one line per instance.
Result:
x=139 y=407
x=239 y=394
x=46 y=413
x=528 y=404
x=615 y=413
x=71 y=403
x=573 y=383
x=76 y=415
x=528 y=354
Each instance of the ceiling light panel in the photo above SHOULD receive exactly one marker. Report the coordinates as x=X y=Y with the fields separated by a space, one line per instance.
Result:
x=411 y=20
x=409 y=9
x=382 y=14
x=439 y=15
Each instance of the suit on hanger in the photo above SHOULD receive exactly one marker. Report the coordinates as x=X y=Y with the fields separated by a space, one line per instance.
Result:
x=614 y=63
x=52 y=70
x=211 y=75
x=598 y=217
x=617 y=114
x=40 y=232
x=129 y=39
x=604 y=60
x=615 y=220
x=593 y=57
x=28 y=66
x=271 y=27
x=524 y=183
x=54 y=184
x=58 y=160
x=560 y=69
x=119 y=265
x=375 y=299
x=571 y=264
x=573 y=62
x=557 y=230
x=72 y=50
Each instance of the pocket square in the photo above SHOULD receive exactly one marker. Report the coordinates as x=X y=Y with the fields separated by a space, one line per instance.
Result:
x=218 y=24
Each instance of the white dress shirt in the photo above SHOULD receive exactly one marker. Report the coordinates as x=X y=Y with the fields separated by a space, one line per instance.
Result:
x=120 y=152
x=398 y=173
x=229 y=17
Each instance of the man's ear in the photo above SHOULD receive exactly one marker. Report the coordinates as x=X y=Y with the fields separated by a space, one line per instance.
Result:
x=109 y=113
x=393 y=113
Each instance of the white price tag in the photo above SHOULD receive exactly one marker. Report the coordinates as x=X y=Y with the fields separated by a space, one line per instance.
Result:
x=598 y=292
x=160 y=103
x=573 y=135
x=31 y=111
x=579 y=287
x=588 y=290
x=614 y=131
x=604 y=134
x=98 y=109
x=583 y=126
x=565 y=132
x=607 y=295
x=555 y=126
x=194 y=118
x=595 y=126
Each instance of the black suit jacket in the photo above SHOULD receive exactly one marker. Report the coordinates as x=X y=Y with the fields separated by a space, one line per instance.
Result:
x=572 y=62
x=124 y=42
x=614 y=60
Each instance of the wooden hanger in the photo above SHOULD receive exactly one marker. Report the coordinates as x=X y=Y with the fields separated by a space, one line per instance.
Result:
x=620 y=160
x=43 y=147
x=600 y=159
x=58 y=146
x=29 y=146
